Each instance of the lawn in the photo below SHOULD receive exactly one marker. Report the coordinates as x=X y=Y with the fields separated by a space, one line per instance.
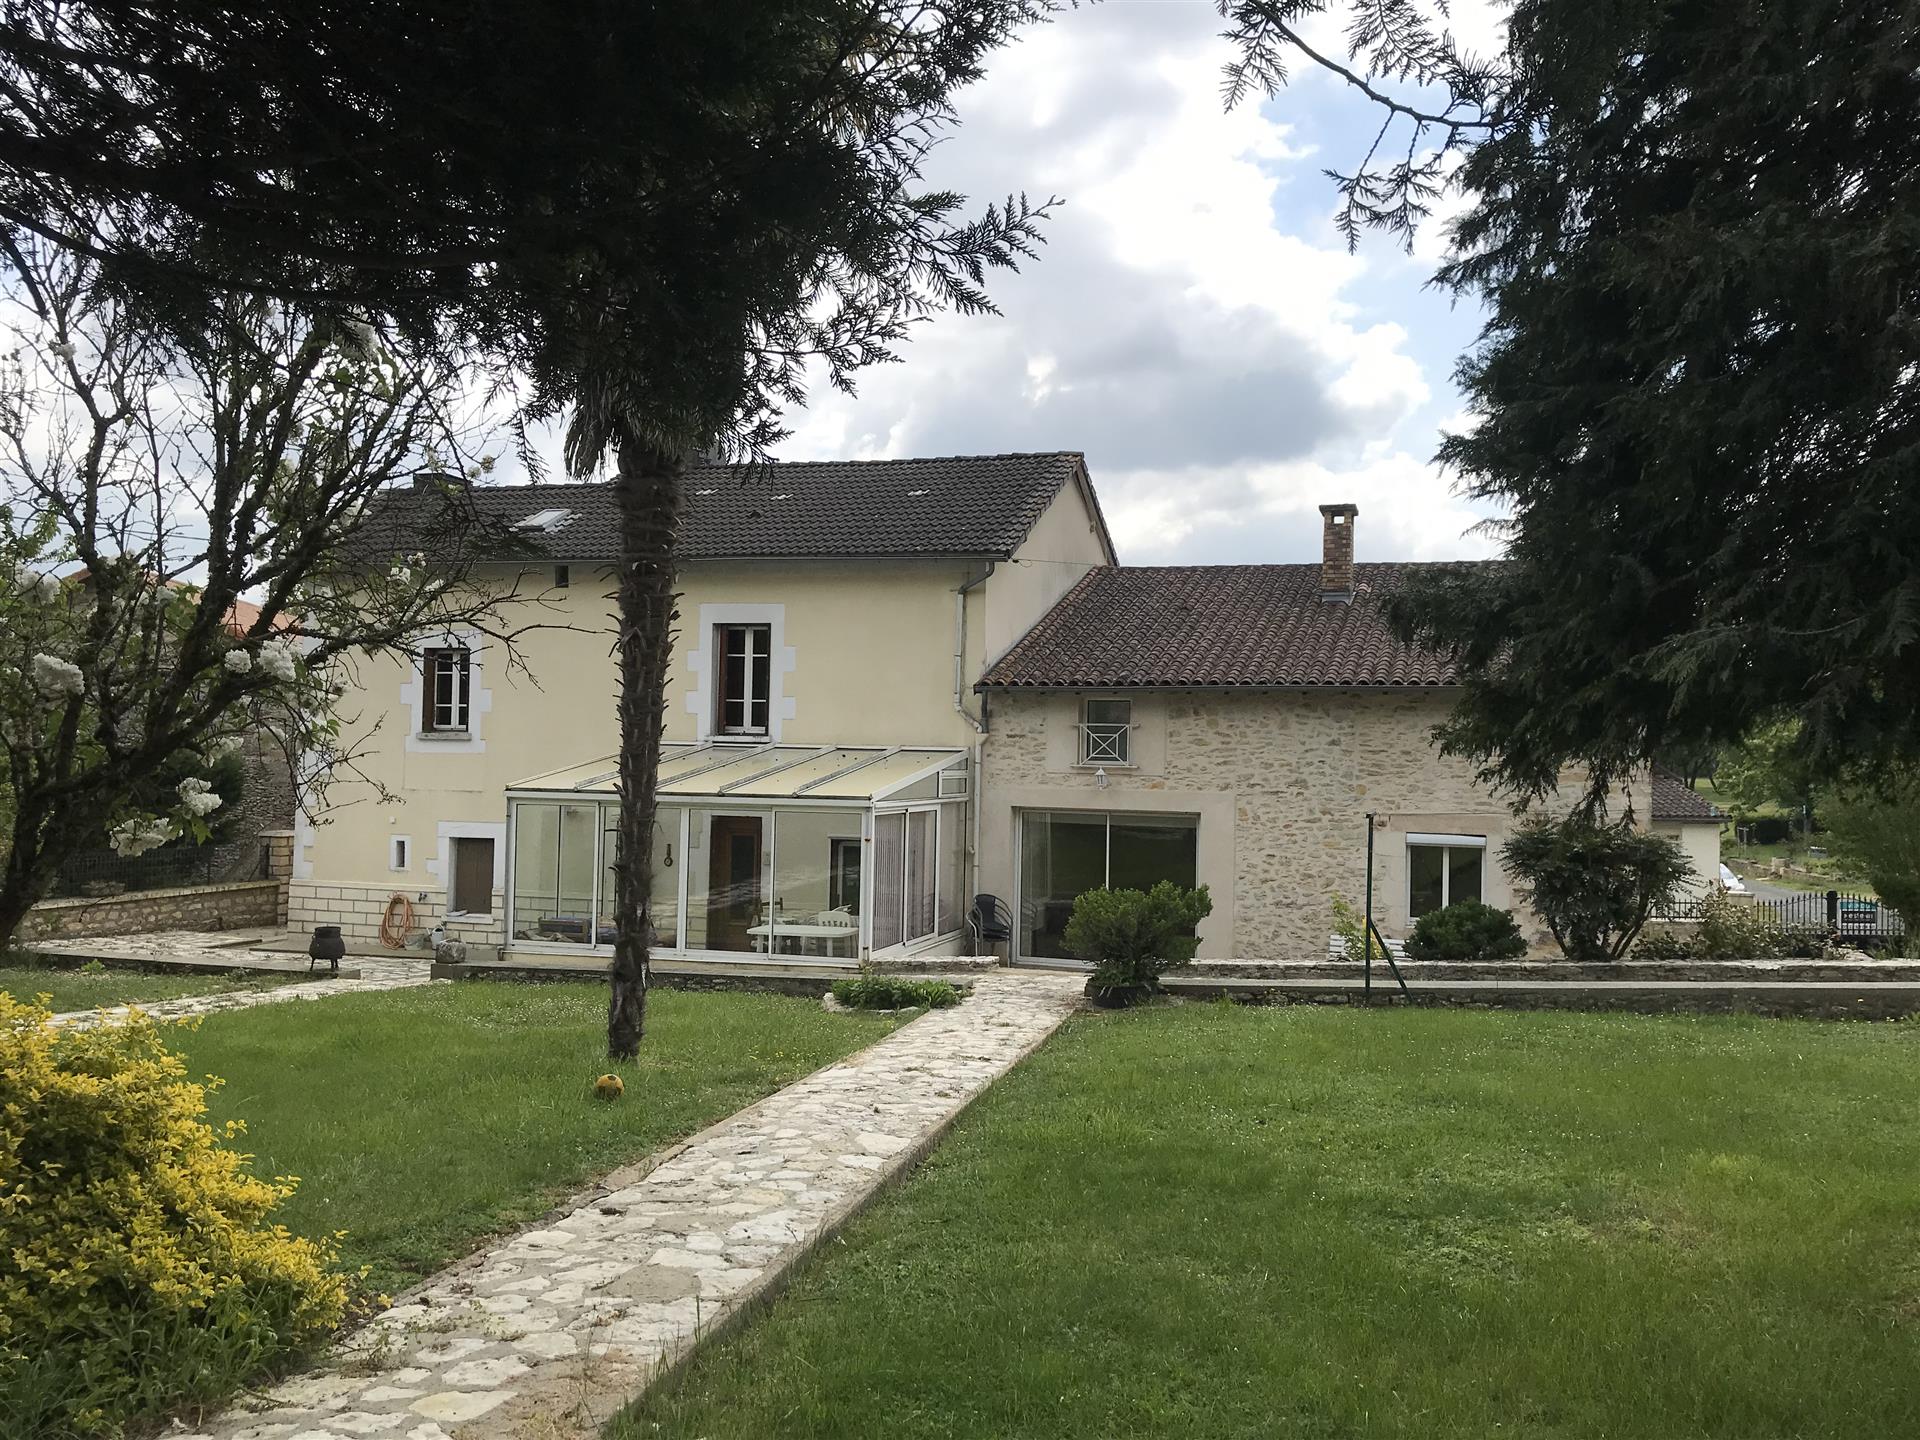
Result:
x=1207 y=1222
x=422 y=1121
x=76 y=989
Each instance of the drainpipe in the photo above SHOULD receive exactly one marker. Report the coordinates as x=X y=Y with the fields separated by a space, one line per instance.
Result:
x=960 y=650
x=979 y=723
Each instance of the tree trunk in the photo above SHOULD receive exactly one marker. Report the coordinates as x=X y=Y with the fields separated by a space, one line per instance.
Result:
x=44 y=836
x=647 y=491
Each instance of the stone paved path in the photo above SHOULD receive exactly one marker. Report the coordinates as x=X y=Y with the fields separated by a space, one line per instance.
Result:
x=375 y=974
x=548 y=1333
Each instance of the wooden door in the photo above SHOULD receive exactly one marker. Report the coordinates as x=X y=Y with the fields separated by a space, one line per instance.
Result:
x=733 y=882
x=472 y=877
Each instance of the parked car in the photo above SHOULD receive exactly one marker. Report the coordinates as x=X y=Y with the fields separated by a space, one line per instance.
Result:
x=1731 y=883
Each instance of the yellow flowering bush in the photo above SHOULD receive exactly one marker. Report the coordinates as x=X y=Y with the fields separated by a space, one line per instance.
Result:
x=139 y=1269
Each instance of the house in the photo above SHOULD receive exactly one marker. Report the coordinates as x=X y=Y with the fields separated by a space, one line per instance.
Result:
x=896 y=685
x=823 y=737
x=1241 y=726
x=1677 y=810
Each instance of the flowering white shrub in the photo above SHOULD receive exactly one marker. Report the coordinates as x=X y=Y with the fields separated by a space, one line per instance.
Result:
x=36 y=585
x=136 y=837
x=238 y=661
x=197 y=797
x=57 y=679
x=277 y=660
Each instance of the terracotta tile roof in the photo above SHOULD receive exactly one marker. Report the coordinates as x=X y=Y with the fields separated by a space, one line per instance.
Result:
x=1673 y=800
x=975 y=505
x=1206 y=626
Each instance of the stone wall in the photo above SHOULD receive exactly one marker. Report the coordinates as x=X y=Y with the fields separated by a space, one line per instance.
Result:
x=358 y=909
x=1282 y=783
x=239 y=905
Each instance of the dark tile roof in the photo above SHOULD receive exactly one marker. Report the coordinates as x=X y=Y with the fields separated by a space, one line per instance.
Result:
x=976 y=505
x=1673 y=800
x=1206 y=626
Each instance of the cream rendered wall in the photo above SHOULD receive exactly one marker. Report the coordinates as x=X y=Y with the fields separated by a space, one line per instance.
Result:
x=1281 y=782
x=869 y=646
x=1064 y=544
x=1702 y=844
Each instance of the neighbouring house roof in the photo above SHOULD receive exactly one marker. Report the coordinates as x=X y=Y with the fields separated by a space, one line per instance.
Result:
x=241 y=616
x=972 y=505
x=1205 y=626
x=1673 y=799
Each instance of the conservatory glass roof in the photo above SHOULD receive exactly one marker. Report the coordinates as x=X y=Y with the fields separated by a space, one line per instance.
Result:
x=769 y=772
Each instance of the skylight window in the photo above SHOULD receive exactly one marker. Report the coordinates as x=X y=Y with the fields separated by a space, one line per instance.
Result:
x=547 y=520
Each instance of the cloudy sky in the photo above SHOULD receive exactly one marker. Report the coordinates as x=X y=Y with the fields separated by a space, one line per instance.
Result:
x=1194 y=323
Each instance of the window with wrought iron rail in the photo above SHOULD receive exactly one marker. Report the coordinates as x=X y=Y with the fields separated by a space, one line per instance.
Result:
x=1106 y=732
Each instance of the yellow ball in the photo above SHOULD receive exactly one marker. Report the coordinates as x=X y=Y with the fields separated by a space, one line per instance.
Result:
x=609 y=1087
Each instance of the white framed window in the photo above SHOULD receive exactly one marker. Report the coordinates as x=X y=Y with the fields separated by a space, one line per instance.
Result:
x=1443 y=869
x=1106 y=731
x=446 y=695
x=743 y=697
x=399 y=852
x=447 y=672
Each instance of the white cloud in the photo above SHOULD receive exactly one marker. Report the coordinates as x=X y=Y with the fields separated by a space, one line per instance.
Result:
x=1223 y=375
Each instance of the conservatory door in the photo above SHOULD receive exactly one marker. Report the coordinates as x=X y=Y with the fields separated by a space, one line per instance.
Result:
x=733 y=881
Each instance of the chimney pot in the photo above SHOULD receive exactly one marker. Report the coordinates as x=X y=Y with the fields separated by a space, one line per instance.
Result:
x=1336 y=551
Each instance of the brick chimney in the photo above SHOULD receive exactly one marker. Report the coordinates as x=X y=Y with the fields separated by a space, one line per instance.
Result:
x=1336 y=551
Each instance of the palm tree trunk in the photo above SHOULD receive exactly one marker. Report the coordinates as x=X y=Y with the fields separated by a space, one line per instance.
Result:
x=648 y=493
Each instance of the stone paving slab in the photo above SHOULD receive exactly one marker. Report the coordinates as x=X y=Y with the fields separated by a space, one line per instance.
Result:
x=372 y=975
x=548 y=1333
x=164 y=951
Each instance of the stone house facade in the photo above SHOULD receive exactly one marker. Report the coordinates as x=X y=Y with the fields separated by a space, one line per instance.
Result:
x=1245 y=727
x=1279 y=785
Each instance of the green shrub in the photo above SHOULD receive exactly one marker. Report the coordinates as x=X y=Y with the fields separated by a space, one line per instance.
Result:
x=1466 y=930
x=1732 y=930
x=1351 y=926
x=1132 y=937
x=1728 y=929
x=139 y=1266
x=892 y=992
x=1663 y=945
x=1594 y=885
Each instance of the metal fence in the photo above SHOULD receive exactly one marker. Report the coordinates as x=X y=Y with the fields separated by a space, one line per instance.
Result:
x=101 y=872
x=1859 y=918
x=1834 y=912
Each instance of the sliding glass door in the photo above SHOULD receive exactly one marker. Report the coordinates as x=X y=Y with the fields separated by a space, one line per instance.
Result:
x=1064 y=853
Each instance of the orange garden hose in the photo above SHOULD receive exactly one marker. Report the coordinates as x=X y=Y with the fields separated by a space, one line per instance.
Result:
x=397 y=922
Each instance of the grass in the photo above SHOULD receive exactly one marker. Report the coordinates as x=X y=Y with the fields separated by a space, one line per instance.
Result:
x=422 y=1121
x=1210 y=1222
x=88 y=989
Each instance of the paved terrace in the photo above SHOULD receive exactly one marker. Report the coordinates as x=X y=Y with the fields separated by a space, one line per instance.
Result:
x=551 y=1331
x=189 y=950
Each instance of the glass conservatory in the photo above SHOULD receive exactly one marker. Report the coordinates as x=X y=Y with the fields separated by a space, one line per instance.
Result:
x=822 y=853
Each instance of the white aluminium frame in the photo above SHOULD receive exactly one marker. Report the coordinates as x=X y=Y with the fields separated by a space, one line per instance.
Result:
x=1444 y=843
x=947 y=812
x=1020 y=818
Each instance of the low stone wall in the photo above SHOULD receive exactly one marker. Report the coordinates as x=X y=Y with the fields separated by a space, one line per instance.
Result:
x=1815 y=1001
x=1768 y=971
x=243 y=904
